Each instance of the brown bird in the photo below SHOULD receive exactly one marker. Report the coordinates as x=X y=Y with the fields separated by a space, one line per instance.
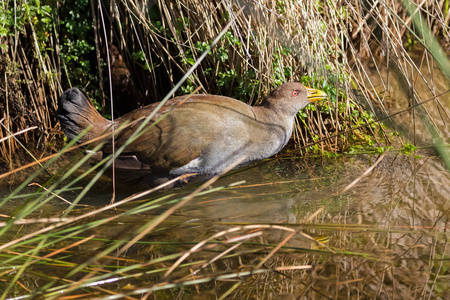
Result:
x=200 y=134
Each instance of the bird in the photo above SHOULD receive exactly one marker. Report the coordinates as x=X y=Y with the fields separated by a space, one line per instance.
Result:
x=200 y=133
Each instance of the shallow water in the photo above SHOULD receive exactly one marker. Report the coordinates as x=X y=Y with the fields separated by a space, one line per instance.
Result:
x=394 y=221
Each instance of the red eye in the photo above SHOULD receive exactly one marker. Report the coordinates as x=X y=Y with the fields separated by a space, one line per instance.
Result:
x=294 y=93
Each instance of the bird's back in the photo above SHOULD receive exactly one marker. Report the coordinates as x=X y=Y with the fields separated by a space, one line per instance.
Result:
x=185 y=129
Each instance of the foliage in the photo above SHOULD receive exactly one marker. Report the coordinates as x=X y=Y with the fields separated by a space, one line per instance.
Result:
x=75 y=33
x=408 y=148
x=15 y=18
x=77 y=42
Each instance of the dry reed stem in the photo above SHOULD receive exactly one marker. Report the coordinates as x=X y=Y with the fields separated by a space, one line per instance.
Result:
x=89 y=214
x=17 y=133
x=366 y=172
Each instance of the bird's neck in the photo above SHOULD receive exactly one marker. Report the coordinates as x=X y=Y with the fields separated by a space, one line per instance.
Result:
x=278 y=127
x=268 y=115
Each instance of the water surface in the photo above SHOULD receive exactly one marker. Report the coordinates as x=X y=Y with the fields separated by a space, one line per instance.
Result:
x=389 y=231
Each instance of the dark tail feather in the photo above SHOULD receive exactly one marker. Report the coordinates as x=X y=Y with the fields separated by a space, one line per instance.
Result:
x=76 y=113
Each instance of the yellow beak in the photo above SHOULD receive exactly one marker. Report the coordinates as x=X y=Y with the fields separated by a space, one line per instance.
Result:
x=315 y=95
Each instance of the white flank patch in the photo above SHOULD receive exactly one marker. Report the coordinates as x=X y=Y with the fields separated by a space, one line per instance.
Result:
x=192 y=167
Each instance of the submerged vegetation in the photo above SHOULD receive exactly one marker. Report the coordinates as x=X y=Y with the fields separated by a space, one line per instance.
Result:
x=368 y=56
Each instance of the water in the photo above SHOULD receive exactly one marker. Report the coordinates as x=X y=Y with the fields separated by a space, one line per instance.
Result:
x=391 y=227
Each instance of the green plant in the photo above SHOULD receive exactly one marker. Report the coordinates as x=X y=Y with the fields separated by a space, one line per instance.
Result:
x=77 y=44
x=408 y=148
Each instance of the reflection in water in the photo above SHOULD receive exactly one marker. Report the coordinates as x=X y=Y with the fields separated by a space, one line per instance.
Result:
x=389 y=231
x=390 y=228
x=398 y=215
